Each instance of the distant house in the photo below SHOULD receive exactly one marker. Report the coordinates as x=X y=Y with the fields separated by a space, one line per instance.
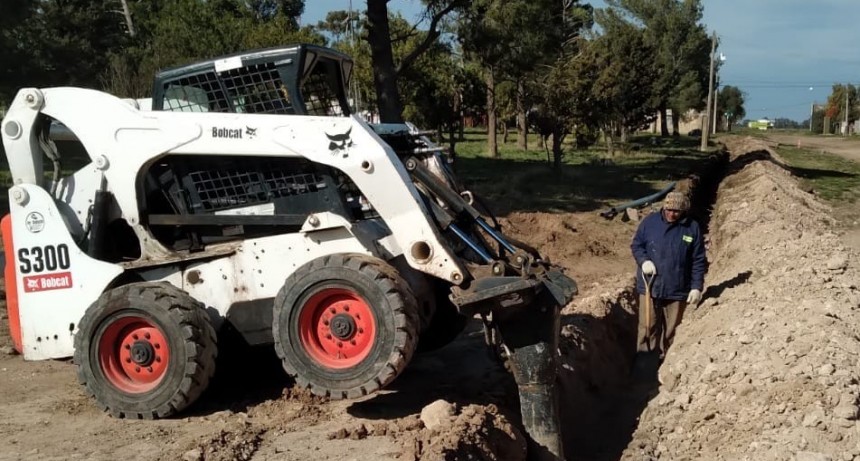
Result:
x=691 y=121
x=762 y=124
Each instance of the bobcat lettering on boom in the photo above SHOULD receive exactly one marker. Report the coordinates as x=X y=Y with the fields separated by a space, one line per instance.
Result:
x=229 y=133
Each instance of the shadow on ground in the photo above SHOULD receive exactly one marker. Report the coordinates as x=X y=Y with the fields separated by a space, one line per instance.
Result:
x=532 y=185
x=463 y=372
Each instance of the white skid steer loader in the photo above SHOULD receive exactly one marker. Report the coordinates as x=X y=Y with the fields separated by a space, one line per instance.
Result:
x=248 y=196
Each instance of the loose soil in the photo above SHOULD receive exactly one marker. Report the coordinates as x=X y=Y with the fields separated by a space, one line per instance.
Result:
x=764 y=369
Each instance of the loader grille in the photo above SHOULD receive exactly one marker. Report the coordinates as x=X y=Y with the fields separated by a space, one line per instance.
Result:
x=319 y=92
x=213 y=189
x=193 y=200
x=255 y=89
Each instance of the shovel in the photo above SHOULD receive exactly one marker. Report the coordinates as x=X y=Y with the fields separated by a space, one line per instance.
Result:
x=649 y=304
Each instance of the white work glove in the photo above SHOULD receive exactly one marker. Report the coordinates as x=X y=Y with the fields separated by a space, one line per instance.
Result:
x=694 y=297
x=648 y=268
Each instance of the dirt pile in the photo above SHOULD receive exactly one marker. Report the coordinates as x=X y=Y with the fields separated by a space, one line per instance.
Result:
x=766 y=367
x=588 y=247
x=477 y=432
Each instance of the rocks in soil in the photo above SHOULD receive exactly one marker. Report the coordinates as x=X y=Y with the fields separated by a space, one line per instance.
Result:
x=477 y=432
x=437 y=414
x=236 y=443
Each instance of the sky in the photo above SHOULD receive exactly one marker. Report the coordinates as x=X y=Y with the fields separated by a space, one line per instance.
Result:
x=784 y=55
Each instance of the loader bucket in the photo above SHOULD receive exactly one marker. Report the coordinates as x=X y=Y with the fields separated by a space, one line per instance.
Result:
x=527 y=314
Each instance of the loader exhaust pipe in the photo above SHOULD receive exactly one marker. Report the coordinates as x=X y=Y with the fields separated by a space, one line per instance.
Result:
x=531 y=336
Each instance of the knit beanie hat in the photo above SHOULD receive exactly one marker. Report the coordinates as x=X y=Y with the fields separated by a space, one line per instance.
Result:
x=676 y=201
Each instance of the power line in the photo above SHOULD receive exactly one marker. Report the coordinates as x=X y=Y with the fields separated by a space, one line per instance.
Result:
x=783 y=84
x=769 y=109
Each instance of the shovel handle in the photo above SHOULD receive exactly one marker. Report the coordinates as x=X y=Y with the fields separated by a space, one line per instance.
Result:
x=649 y=302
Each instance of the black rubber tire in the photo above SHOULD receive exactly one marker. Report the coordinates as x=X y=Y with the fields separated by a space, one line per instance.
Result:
x=189 y=334
x=445 y=325
x=394 y=309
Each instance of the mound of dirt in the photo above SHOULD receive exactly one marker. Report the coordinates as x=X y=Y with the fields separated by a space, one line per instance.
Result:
x=477 y=432
x=766 y=367
x=238 y=443
x=588 y=247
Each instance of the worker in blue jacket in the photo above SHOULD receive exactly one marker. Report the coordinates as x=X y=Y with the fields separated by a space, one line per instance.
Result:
x=670 y=254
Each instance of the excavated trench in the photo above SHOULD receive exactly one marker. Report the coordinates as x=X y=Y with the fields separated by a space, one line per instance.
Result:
x=601 y=405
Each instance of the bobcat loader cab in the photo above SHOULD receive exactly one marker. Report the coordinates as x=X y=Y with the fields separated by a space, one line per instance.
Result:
x=249 y=196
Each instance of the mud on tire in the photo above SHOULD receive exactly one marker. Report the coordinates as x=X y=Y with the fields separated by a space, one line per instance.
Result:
x=345 y=325
x=145 y=350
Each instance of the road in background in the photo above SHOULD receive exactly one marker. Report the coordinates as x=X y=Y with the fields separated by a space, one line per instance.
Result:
x=848 y=148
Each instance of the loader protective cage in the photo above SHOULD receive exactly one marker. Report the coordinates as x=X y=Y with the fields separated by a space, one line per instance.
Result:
x=299 y=80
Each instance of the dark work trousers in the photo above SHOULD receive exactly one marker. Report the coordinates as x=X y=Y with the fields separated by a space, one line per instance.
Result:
x=665 y=317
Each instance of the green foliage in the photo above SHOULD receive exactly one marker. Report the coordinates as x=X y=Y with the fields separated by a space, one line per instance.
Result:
x=87 y=43
x=682 y=47
x=15 y=41
x=176 y=32
x=836 y=103
x=788 y=124
x=56 y=42
x=730 y=103
x=623 y=83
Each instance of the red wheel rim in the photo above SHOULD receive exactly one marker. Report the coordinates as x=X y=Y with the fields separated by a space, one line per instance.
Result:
x=133 y=354
x=337 y=328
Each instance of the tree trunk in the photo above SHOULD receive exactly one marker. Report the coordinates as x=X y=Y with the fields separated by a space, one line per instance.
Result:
x=504 y=132
x=664 y=127
x=492 y=145
x=608 y=135
x=384 y=74
x=557 y=154
x=522 y=126
x=624 y=132
x=455 y=118
x=676 y=125
x=128 y=22
x=452 y=143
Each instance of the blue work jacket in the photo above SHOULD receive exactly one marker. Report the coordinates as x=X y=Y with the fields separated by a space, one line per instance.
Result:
x=677 y=251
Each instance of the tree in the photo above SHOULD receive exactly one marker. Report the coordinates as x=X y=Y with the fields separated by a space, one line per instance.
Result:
x=785 y=123
x=385 y=71
x=73 y=40
x=624 y=84
x=682 y=51
x=730 y=102
x=14 y=45
x=514 y=40
x=840 y=97
x=177 y=32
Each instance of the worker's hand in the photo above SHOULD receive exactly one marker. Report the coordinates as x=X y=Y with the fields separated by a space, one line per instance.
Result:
x=694 y=297
x=648 y=268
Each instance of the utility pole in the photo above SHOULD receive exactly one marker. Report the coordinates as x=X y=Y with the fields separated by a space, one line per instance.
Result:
x=845 y=131
x=716 y=102
x=705 y=124
x=811 y=115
